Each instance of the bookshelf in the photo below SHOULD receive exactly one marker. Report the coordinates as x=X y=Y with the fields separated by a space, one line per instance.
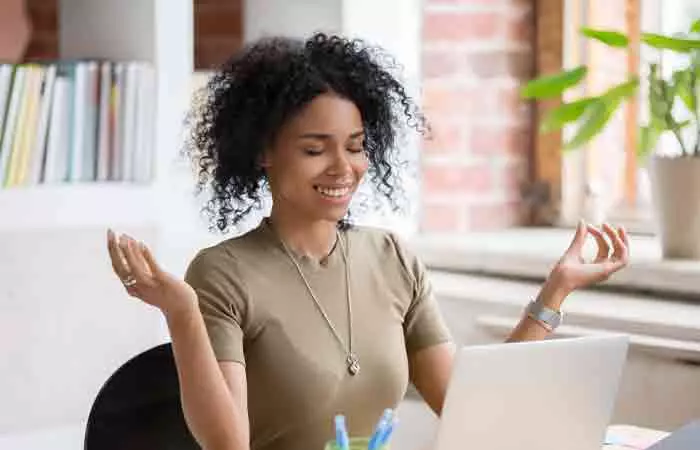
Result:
x=156 y=32
x=70 y=322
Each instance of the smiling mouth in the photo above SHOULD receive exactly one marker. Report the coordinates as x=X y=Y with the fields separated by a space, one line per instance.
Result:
x=334 y=192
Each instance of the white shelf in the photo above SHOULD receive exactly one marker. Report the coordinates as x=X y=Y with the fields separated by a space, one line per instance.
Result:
x=59 y=299
x=159 y=32
x=76 y=206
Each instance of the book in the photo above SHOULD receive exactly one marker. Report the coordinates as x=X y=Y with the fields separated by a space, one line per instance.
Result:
x=76 y=121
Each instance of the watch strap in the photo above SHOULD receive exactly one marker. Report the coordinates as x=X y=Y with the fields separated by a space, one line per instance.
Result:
x=545 y=317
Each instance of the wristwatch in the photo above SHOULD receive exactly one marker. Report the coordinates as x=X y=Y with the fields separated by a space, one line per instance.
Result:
x=546 y=317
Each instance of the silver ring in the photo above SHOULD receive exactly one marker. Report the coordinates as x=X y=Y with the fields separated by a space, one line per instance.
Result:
x=129 y=281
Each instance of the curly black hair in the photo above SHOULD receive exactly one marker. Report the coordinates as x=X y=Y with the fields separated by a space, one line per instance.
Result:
x=245 y=103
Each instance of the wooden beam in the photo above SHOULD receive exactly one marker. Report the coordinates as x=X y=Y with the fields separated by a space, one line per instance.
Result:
x=547 y=158
x=632 y=19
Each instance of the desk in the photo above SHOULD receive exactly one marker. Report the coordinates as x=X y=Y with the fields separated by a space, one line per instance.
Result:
x=628 y=437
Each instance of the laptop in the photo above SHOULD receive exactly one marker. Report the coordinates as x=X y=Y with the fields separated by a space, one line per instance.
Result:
x=685 y=438
x=543 y=395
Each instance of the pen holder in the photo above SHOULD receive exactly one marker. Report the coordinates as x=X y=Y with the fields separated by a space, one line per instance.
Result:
x=357 y=443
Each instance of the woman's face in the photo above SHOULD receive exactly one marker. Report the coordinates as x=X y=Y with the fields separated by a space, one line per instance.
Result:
x=318 y=160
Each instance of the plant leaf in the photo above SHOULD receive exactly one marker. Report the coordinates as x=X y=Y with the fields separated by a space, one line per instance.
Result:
x=599 y=112
x=648 y=138
x=682 y=81
x=565 y=113
x=623 y=90
x=695 y=27
x=553 y=85
x=593 y=122
x=670 y=43
x=660 y=99
x=607 y=37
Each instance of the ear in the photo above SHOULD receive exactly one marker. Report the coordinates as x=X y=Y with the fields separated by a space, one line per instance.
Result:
x=264 y=159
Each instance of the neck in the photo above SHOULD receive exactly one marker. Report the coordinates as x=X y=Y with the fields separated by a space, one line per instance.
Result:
x=310 y=238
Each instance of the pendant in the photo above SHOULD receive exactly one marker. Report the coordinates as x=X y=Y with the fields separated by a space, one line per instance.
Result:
x=353 y=364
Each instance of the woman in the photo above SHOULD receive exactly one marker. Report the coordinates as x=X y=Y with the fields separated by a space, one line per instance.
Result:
x=307 y=316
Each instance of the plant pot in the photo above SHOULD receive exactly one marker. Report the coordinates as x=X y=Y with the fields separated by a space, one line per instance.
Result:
x=675 y=184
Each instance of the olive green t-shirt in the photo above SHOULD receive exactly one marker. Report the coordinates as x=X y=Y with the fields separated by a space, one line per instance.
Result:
x=258 y=312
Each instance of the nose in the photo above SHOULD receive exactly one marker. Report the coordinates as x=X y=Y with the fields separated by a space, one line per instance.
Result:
x=341 y=163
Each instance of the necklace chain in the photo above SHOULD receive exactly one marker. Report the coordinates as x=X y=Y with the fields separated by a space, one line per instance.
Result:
x=351 y=360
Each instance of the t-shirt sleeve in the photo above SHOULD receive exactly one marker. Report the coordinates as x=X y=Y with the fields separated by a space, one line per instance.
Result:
x=424 y=325
x=222 y=301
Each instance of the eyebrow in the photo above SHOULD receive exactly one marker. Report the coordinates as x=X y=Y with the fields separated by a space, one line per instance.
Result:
x=324 y=136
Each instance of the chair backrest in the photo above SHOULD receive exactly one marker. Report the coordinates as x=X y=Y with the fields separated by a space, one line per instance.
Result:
x=139 y=407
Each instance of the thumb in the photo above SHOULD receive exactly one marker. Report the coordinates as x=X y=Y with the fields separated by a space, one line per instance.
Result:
x=579 y=239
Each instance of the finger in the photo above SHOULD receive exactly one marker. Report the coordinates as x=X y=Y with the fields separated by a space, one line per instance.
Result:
x=150 y=260
x=603 y=247
x=599 y=272
x=579 y=239
x=119 y=264
x=620 y=249
x=625 y=238
x=608 y=268
x=134 y=260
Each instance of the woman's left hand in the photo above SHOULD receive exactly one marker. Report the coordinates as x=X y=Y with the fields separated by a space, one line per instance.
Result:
x=572 y=272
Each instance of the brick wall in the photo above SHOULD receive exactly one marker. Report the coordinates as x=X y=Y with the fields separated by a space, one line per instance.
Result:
x=44 y=17
x=476 y=53
x=218 y=30
x=217 y=27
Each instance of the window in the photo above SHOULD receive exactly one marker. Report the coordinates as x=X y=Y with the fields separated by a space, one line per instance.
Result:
x=606 y=180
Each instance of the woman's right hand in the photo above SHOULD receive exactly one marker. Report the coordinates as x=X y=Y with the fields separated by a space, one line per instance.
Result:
x=143 y=278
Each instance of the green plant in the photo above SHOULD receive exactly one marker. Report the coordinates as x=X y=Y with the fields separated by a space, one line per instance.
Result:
x=592 y=113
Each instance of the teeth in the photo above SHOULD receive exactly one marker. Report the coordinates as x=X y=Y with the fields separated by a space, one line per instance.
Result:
x=333 y=192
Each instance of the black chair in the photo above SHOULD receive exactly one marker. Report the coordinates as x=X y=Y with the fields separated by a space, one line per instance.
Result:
x=139 y=408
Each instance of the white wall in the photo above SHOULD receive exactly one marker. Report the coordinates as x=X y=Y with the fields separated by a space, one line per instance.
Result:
x=290 y=18
x=66 y=323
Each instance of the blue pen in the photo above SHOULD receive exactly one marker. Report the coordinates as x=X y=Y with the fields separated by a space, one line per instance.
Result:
x=386 y=435
x=341 y=433
x=374 y=442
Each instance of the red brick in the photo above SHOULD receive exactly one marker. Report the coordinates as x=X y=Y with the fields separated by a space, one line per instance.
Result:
x=441 y=218
x=44 y=16
x=441 y=63
x=509 y=104
x=500 y=140
x=445 y=137
x=459 y=103
x=218 y=26
x=515 y=177
x=520 y=26
x=445 y=99
x=460 y=26
x=455 y=179
x=496 y=63
x=495 y=216
x=218 y=23
x=217 y=4
x=463 y=2
x=211 y=53
x=41 y=49
x=41 y=5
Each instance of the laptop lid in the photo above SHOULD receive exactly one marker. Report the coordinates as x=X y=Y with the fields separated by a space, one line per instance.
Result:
x=685 y=438
x=544 y=395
